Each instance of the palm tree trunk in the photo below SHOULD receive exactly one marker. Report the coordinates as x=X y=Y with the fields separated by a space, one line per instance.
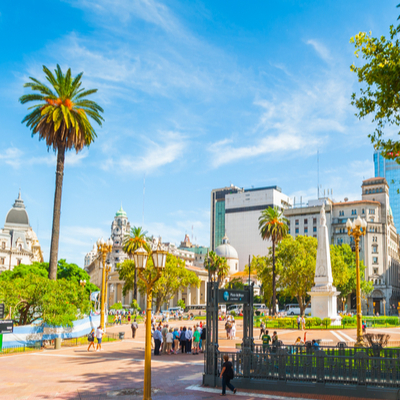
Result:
x=135 y=285
x=55 y=233
x=273 y=280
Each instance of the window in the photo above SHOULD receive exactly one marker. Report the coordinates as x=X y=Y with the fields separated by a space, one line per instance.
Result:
x=296 y=222
x=297 y=230
x=375 y=260
x=353 y=212
x=362 y=211
x=315 y=229
x=341 y=213
x=1 y=261
x=376 y=271
x=305 y=221
x=371 y=211
x=3 y=245
x=375 y=249
x=305 y=230
x=314 y=221
x=315 y=236
x=19 y=261
x=20 y=247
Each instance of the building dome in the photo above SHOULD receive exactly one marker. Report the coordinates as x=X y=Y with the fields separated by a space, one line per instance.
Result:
x=17 y=215
x=121 y=213
x=226 y=250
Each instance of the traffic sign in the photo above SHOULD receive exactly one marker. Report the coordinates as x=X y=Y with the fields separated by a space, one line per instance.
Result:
x=6 y=326
x=1 y=310
x=233 y=296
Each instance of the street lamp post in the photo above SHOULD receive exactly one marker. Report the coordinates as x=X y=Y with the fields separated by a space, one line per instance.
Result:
x=159 y=259
x=103 y=248
x=357 y=229
x=108 y=270
x=343 y=301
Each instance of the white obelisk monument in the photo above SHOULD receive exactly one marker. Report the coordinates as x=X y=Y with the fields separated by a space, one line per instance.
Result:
x=323 y=294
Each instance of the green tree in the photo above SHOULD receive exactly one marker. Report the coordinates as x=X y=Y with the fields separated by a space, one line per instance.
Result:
x=296 y=267
x=273 y=226
x=135 y=239
x=235 y=283
x=181 y=303
x=135 y=306
x=343 y=261
x=263 y=268
x=33 y=297
x=61 y=118
x=379 y=97
x=127 y=274
x=217 y=267
x=174 y=276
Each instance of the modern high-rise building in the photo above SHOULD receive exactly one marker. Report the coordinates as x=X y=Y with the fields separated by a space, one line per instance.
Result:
x=217 y=214
x=235 y=212
x=390 y=170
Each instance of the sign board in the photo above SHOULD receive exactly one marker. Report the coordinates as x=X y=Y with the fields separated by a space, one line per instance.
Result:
x=6 y=326
x=233 y=296
x=1 y=310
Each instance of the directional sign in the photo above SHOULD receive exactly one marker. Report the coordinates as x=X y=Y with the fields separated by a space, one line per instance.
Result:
x=233 y=296
x=6 y=326
x=1 y=310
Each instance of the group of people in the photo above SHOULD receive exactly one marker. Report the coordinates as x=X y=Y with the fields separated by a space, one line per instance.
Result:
x=98 y=334
x=168 y=340
x=230 y=327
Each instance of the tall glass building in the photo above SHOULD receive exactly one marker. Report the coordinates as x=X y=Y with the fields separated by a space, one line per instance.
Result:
x=390 y=170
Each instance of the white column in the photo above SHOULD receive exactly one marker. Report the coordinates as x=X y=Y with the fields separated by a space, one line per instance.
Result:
x=179 y=294
x=198 y=295
x=130 y=297
x=189 y=296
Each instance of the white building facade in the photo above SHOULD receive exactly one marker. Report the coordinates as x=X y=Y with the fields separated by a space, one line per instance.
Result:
x=242 y=211
x=18 y=242
x=379 y=248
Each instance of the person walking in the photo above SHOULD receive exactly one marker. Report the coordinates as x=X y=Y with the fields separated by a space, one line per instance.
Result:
x=189 y=337
x=176 y=340
x=265 y=341
x=233 y=330
x=303 y=323
x=298 y=322
x=157 y=341
x=164 y=332
x=134 y=327
x=99 y=336
x=203 y=339
x=227 y=375
x=169 y=339
x=120 y=319
x=183 y=340
x=91 y=340
x=262 y=329
x=196 y=341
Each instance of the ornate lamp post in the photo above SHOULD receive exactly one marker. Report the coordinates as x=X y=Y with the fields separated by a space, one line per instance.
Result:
x=108 y=270
x=82 y=283
x=159 y=257
x=357 y=229
x=103 y=248
x=343 y=302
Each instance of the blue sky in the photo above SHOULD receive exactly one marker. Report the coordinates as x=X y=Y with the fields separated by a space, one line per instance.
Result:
x=197 y=95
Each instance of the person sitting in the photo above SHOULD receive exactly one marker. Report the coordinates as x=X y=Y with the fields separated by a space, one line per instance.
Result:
x=315 y=344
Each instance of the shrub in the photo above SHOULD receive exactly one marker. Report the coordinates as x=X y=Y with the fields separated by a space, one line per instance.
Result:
x=116 y=306
x=326 y=322
x=317 y=321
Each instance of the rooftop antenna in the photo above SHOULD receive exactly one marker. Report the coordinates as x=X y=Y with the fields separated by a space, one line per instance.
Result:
x=144 y=189
x=318 y=172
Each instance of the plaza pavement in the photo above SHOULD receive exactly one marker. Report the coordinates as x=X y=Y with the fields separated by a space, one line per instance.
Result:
x=117 y=371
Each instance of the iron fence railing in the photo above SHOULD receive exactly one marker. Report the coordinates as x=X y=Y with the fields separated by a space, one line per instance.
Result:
x=346 y=365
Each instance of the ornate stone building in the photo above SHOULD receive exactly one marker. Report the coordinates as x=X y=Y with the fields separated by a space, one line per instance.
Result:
x=18 y=242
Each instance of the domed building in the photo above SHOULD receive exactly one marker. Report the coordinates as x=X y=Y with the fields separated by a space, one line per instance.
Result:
x=18 y=242
x=229 y=252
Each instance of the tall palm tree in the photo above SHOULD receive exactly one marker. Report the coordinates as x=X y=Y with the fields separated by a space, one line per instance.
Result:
x=216 y=266
x=61 y=118
x=273 y=226
x=132 y=241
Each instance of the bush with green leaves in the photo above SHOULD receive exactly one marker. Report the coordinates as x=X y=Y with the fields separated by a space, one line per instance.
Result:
x=326 y=322
x=116 y=306
x=181 y=303
x=135 y=306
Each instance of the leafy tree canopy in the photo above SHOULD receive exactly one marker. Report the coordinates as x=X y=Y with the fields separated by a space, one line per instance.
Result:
x=217 y=266
x=175 y=276
x=126 y=272
x=379 y=97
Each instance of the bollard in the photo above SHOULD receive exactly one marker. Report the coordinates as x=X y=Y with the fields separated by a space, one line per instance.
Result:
x=57 y=343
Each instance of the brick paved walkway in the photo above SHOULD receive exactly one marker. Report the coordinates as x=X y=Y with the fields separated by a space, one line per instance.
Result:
x=73 y=373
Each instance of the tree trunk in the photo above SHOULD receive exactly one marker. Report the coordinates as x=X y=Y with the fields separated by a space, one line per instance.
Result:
x=273 y=280
x=135 y=285
x=55 y=233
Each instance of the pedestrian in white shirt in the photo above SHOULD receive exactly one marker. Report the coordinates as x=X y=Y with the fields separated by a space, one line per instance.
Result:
x=169 y=340
x=189 y=336
x=233 y=330
x=99 y=336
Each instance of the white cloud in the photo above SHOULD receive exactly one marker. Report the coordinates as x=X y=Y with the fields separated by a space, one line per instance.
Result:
x=166 y=150
x=11 y=156
x=322 y=51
